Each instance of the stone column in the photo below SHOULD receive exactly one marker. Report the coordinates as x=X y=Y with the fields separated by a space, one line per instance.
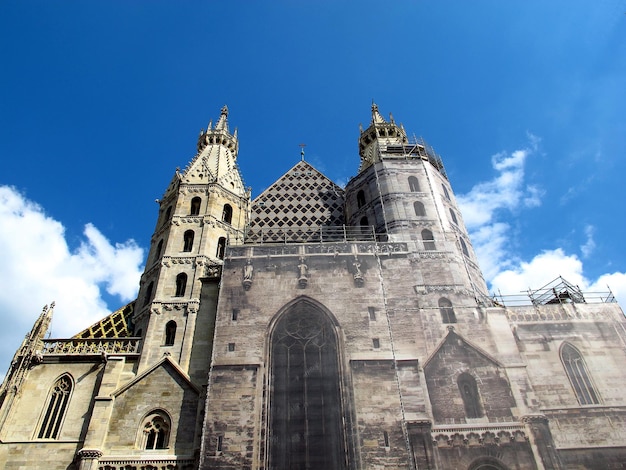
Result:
x=88 y=459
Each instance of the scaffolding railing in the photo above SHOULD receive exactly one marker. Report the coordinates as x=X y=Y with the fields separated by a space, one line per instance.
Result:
x=558 y=291
x=414 y=148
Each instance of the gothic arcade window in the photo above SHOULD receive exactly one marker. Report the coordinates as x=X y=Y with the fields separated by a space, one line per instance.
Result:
x=221 y=247
x=419 y=209
x=195 y=206
x=56 y=408
x=305 y=403
x=170 y=333
x=155 y=431
x=428 y=239
x=469 y=394
x=360 y=199
x=446 y=310
x=188 y=240
x=227 y=213
x=414 y=184
x=181 y=284
x=578 y=375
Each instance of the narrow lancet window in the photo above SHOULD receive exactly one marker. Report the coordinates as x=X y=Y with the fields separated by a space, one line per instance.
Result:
x=469 y=394
x=360 y=199
x=221 y=247
x=170 y=333
x=446 y=310
x=428 y=239
x=414 y=184
x=56 y=408
x=188 y=240
x=227 y=214
x=578 y=375
x=419 y=209
x=181 y=284
x=195 y=206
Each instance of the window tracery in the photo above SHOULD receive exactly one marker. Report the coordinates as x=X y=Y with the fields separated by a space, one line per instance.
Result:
x=56 y=408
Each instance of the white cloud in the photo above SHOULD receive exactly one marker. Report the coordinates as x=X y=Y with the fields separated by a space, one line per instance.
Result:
x=38 y=268
x=487 y=207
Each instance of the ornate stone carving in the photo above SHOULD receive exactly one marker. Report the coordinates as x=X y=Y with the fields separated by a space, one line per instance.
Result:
x=248 y=271
x=357 y=274
x=89 y=454
x=303 y=273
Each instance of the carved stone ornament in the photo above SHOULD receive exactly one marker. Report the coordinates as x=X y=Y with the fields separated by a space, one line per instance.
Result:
x=303 y=274
x=248 y=271
x=85 y=454
x=357 y=274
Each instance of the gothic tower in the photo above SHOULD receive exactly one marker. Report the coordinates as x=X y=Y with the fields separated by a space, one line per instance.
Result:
x=203 y=209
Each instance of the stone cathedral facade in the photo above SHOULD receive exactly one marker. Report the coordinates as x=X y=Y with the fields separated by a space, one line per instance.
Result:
x=319 y=327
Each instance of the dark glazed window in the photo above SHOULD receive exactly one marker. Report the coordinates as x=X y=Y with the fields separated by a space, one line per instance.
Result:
x=221 y=247
x=170 y=333
x=445 y=191
x=55 y=410
x=227 y=214
x=578 y=375
x=429 y=240
x=446 y=310
x=148 y=296
x=360 y=199
x=414 y=184
x=188 y=240
x=195 y=206
x=159 y=249
x=469 y=394
x=181 y=284
x=419 y=209
x=464 y=247
x=155 y=431
x=305 y=404
x=453 y=215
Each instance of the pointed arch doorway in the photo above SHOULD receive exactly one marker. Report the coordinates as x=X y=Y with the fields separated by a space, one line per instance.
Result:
x=305 y=413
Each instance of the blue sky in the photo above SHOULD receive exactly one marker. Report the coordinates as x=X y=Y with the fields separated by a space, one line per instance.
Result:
x=101 y=101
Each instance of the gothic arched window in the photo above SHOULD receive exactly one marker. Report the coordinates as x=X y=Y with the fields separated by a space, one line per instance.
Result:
x=414 y=184
x=56 y=408
x=155 y=431
x=158 y=251
x=168 y=214
x=428 y=239
x=464 y=247
x=453 y=215
x=227 y=213
x=181 y=284
x=445 y=191
x=306 y=415
x=360 y=199
x=446 y=310
x=221 y=247
x=148 y=295
x=578 y=375
x=170 y=333
x=195 y=206
x=469 y=394
x=188 y=240
x=419 y=209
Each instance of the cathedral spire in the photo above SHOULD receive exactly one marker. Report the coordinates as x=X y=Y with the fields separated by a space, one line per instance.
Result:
x=222 y=123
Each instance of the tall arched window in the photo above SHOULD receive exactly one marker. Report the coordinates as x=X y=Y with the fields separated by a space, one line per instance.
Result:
x=168 y=214
x=445 y=191
x=159 y=249
x=305 y=397
x=578 y=375
x=227 y=213
x=428 y=239
x=55 y=410
x=446 y=311
x=464 y=247
x=469 y=394
x=188 y=240
x=221 y=247
x=360 y=198
x=453 y=215
x=170 y=333
x=414 y=184
x=155 y=431
x=181 y=284
x=195 y=206
x=419 y=209
x=148 y=295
